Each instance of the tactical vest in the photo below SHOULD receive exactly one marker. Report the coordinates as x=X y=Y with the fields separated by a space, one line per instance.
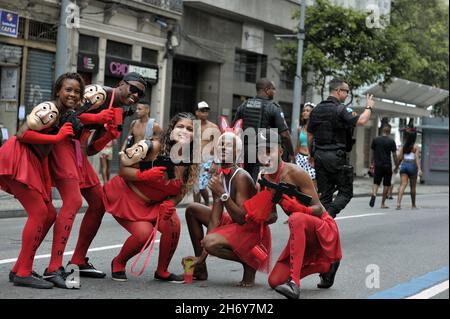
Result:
x=253 y=113
x=331 y=132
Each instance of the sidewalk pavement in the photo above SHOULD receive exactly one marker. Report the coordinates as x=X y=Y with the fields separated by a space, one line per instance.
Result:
x=362 y=186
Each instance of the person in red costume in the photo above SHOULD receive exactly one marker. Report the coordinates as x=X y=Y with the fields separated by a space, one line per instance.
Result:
x=74 y=176
x=314 y=245
x=143 y=202
x=24 y=173
x=233 y=234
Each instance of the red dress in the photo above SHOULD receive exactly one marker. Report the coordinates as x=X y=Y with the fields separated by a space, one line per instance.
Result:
x=122 y=202
x=19 y=162
x=242 y=238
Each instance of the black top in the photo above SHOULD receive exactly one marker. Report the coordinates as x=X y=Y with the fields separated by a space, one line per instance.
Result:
x=330 y=122
x=382 y=147
x=271 y=117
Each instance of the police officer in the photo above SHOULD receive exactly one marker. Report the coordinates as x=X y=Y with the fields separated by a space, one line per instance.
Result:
x=330 y=131
x=260 y=112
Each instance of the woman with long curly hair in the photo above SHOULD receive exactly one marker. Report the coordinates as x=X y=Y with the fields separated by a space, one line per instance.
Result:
x=143 y=197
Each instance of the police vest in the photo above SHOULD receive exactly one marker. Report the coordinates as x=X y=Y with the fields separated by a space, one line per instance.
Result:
x=331 y=132
x=253 y=113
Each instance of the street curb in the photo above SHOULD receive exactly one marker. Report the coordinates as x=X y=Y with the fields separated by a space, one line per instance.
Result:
x=21 y=213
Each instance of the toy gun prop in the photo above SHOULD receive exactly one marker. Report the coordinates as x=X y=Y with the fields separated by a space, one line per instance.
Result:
x=162 y=161
x=285 y=188
x=71 y=116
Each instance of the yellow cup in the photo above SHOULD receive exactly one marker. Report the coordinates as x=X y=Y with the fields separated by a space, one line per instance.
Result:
x=188 y=269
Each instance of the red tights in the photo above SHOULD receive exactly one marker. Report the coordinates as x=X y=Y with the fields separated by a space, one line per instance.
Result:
x=140 y=232
x=71 y=199
x=91 y=222
x=41 y=216
x=299 y=251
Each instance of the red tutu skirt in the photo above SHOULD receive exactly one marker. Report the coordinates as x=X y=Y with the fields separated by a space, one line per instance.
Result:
x=86 y=173
x=121 y=201
x=19 y=163
x=242 y=238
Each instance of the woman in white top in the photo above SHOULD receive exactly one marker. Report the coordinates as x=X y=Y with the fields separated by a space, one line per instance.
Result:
x=409 y=163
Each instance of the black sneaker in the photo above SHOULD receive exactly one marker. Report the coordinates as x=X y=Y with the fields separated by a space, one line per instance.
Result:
x=88 y=270
x=118 y=275
x=59 y=279
x=13 y=274
x=372 y=201
x=171 y=278
x=290 y=290
x=32 y=282
x=327 y=279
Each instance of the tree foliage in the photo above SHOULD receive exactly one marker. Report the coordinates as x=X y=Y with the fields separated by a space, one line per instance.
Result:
x=339 y=42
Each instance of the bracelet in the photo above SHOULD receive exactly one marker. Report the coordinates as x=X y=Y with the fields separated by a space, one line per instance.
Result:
x=369 y=108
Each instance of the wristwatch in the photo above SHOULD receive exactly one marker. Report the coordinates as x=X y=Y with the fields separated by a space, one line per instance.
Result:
x=224 y=197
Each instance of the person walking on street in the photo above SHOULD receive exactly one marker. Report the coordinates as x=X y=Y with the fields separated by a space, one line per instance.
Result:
x=330 y=131
x=409 y=162
x=383 y=146
x=261 y=112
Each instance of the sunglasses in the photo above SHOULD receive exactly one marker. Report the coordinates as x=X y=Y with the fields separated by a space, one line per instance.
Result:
x=134 y=89
x=204 y=110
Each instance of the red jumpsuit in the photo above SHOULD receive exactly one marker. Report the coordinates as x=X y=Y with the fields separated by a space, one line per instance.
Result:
x=139 y=217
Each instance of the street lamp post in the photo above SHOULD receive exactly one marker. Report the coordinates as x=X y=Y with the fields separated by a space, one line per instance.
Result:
x=298 y=75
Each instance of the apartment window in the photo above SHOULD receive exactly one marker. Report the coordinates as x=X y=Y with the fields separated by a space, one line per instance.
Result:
x=118 y=50
x=149 y=56
x=248 y=67
x=88 y=44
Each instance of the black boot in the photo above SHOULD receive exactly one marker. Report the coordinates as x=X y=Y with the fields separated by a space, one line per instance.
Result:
x=327 y=279
x=290 y=290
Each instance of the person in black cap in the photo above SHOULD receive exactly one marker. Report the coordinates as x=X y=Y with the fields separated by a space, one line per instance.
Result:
x=103 y=101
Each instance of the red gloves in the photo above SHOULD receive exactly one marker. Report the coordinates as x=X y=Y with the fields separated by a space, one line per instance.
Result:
x=290 y=205
x=152 y=174
x=111 y=134
x=105 y=116
x=259 y=207
x=166 y=209
x=34 y=137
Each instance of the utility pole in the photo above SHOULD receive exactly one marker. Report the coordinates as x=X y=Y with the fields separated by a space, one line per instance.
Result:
x=62 y=63
x=298 y=75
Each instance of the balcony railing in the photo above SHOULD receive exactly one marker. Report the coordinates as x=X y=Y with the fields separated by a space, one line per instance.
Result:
x=170 y=5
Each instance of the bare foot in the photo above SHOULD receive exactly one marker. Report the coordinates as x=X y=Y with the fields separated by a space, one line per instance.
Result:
x=384 y=207
x=414 y=207
x=248 y=279
x=200 y=272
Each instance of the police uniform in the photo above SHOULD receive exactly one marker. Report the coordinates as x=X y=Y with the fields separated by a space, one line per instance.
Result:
x=258 y=112
x=332 y=124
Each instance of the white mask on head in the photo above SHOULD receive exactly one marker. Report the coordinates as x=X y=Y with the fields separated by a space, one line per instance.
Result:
x=135 y=153
x=43 y=116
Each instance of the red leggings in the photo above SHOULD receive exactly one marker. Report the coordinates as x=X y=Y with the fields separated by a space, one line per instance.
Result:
x=140 y=232
x=71 y=203
x=41 y=216
x=302 y=244
x=91 y=222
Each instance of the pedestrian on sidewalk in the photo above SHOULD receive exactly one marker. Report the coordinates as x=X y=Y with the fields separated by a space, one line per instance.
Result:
x=410 y=168
x=382 y=148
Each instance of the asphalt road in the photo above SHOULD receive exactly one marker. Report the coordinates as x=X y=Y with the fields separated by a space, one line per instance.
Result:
x=398 y=245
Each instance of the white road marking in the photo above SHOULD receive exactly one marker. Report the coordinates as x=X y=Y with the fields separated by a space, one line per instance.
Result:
x=431 y=292
x=67 y=253
x=357 y=216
